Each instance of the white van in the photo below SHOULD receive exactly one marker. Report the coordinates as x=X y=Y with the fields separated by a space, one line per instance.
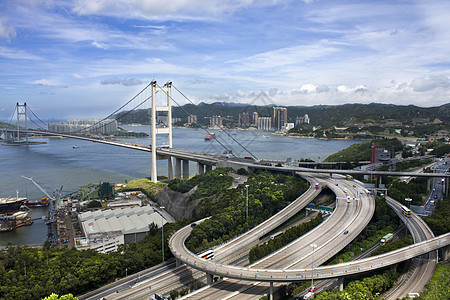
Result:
x=308 y=295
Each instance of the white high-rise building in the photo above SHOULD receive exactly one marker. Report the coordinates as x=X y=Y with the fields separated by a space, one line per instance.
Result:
x=265 y=123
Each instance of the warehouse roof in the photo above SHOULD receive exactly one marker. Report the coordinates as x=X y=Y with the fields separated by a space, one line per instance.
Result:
x=127 y=220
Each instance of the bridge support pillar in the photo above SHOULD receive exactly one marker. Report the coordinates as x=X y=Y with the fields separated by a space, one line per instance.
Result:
x=177 y=168
x=341 y=283
x=443 y=253
x=178 y=263
x=201 y=168
x=185 y=169
x=208 y=168
x=209 y=278
x=271 y=291
x=170 y=168
x=393 y=267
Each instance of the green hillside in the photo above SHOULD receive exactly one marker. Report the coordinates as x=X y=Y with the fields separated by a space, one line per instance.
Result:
x=353 y=119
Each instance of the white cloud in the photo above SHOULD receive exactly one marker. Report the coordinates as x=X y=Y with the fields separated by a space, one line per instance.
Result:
x=154 y=60
x=100 y=45
x=312 y=88
x=59 y=29
x=47 y=82
x=308 y=88
x=124 y=82
x=155 y=9
x=289 y=56
x=6 y=32
x=16 y=54
x=423 y=84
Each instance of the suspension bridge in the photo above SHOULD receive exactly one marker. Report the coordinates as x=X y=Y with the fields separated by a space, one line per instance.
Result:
x=177 y=160
x=178 y=167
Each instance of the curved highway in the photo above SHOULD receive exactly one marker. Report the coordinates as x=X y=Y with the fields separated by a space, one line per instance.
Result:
x=239 y=247
x=226 y=253
x=269 y=270
x=349 y=218
x=421 y=268
x=343 y=269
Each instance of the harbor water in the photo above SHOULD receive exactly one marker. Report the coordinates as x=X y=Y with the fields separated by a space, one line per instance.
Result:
x=70 y=163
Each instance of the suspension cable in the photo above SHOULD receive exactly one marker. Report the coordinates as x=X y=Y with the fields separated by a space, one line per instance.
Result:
x=12 y=116
x=188 y=114
x=107 y=117
x=220 y=127
x=104 y=124
x=28 y=107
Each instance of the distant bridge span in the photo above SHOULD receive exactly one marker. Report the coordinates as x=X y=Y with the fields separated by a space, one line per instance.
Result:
x=210 y=160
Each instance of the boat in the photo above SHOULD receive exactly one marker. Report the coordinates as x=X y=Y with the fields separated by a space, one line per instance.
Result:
x=11 y=221
x=210 y=136
x=11 y=204
x=20 y=215
x=37 y=203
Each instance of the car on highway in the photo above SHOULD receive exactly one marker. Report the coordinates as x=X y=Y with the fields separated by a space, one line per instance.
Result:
x=345 y=232
x=312 y=289
x=308 y=295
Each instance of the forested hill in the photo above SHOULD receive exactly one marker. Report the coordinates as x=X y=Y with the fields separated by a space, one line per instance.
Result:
x=7 y=126
x=323 y=115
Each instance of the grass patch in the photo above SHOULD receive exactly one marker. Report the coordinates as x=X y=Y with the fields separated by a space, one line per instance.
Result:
x=144 y=185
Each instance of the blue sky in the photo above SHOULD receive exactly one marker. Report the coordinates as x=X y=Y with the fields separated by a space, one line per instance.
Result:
x=85 y=58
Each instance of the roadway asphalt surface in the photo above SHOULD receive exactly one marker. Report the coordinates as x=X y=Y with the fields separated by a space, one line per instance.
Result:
x=227 y=253
x=230 y=289
x=329 y=238
x=130 y=281
x=162 y=282
x=421 y=268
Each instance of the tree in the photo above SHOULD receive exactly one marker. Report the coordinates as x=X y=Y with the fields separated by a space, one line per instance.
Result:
x=94 y=204
x=54 y=296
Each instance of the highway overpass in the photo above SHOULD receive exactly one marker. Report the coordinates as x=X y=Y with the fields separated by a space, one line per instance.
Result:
x=323 y=272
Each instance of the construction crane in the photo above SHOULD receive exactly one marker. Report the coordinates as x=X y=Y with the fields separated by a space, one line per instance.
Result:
x=38 y=186
x=54 y=204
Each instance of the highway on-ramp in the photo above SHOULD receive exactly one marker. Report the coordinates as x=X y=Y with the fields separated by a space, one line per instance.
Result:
x=421 y=268
x=346 y=222
x=227 y=253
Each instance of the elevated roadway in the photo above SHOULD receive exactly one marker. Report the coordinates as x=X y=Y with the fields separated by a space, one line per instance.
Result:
x=222 y=161
x=323 y=272
x=266 y=272
x=422 y=267
x=230 y=252
x=346 y=222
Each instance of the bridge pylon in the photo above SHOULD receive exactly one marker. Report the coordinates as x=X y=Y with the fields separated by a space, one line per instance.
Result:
x=22 y=119
x=166 y=89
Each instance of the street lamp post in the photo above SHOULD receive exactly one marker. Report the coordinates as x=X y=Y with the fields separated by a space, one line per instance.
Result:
x=312 y=269
x=408 y=201
x=162 y=232
x=246 y=204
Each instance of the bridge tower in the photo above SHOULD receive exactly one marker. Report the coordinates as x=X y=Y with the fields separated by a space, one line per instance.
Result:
x=166 y=89
x=22 y=119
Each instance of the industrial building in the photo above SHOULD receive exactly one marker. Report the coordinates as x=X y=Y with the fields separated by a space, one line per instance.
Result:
x=105 y=230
